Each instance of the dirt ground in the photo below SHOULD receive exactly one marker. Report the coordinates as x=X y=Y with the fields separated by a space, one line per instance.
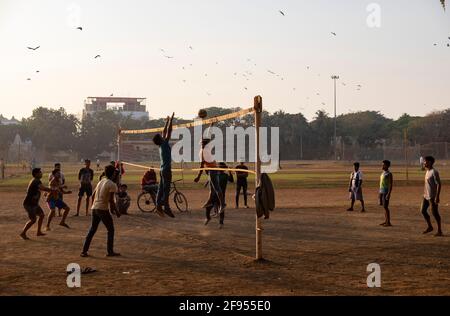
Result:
x=312 y=246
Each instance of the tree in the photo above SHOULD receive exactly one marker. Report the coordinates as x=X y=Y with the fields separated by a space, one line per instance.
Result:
x=52 y=130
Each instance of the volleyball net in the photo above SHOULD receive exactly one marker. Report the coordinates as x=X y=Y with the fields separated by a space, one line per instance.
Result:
x=136 y=148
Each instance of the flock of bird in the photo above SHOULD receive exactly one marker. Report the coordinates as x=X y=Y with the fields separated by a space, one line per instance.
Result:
x=246 y=75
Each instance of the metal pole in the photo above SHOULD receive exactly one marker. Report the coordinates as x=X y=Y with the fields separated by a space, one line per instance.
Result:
x=406 y=154
x=258 y=110
x=334 y=77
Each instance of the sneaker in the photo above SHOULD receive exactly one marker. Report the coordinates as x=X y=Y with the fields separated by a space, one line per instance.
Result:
x=113 y=254
x=159 y=211
x=84 y=254
x=169 y=213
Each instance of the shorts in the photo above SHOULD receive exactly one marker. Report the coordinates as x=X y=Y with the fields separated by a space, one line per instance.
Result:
x=33 y=211
x=383 y=200
x=52 y=204
x=356 y=194
x=85 y=188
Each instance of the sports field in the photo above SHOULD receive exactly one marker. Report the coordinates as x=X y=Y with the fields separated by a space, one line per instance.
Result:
x=312 y=246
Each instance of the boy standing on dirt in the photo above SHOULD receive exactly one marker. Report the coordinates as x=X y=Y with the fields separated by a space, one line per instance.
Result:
x=432 y=191
x=54 y=200
x=85 y=176
x=355 y=187
x=31 y=203
x=102 y=206
x=386 y=183
x=241 y=183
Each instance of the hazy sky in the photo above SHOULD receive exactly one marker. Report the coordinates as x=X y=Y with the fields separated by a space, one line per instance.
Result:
x=397 y=64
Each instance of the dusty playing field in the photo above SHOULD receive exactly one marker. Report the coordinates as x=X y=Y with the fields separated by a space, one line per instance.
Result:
x=312 y=246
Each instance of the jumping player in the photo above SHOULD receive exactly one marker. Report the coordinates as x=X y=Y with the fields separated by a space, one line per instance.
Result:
x=31 y=203
x=386 y=183
x=432 y=191
x=165 y=153
x=85 y=176
x=355 y=187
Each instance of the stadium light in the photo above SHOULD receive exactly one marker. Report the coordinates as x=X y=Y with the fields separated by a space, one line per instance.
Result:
x=334 y=77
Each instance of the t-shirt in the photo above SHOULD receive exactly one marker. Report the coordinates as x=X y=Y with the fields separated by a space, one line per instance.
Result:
x=86 y=175
x=431 y=181
x=165 y=154
x=62 y=181
x=384 y=182
x=241 y=175
x=206 y=156
x=33 y=193
x=356 y=178
x=102 y=191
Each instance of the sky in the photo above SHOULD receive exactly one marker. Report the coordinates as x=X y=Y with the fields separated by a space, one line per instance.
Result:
x=399 y=68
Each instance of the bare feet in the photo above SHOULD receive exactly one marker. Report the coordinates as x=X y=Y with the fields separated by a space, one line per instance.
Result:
x=428 y=230
x=24 y=236
x=47 y=229
x=382 y=224
x=64 y=225
x=387 y=225
x=40 y=234
x=439 y=234
x=84 y=254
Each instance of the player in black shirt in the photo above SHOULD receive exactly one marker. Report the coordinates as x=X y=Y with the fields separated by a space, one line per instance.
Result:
x=241 y=183
x=31 y=203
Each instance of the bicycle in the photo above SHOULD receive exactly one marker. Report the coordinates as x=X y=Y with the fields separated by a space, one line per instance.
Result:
x=147 y=204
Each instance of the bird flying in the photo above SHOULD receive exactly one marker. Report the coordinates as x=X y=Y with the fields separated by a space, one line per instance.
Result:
x=333 y=33
x=33 y=48
x=97 y=56
x=79 y=28
x=282 y=13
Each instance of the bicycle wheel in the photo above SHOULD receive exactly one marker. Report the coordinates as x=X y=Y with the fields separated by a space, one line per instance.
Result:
x=145 y=202
x=181 y=202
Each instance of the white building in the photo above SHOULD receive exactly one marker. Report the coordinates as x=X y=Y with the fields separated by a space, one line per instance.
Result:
x=134 y=107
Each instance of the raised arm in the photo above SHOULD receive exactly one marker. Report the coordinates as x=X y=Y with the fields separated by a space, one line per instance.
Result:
x=169 y=128
x=166 y=126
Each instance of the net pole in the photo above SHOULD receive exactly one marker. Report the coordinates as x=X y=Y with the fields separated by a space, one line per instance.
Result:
x=258 y=112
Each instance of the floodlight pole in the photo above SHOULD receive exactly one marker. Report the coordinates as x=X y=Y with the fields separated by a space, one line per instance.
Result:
x=334 y=77
x=258 y=112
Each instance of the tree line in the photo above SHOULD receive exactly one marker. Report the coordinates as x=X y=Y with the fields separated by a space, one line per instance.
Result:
x=52 y=130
